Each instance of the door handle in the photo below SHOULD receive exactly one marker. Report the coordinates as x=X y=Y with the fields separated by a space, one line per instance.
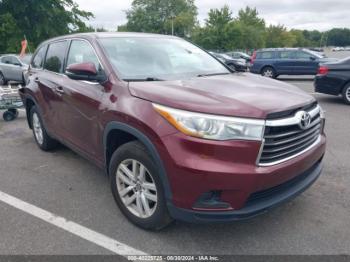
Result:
x=59 y=90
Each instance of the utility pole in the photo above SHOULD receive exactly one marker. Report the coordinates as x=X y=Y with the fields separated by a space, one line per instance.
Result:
x=172 y=17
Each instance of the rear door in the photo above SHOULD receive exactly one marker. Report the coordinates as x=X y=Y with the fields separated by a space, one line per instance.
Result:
x=49 y=81
x=284 y=62
x=82 y=102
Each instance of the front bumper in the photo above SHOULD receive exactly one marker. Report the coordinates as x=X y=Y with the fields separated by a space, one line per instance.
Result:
x=259 y=202
x=196 y=167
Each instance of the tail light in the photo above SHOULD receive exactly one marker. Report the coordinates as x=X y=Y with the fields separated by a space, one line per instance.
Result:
x=323 y=70
x=253 y=58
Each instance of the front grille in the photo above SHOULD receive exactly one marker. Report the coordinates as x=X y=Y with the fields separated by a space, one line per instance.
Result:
x=284 y=139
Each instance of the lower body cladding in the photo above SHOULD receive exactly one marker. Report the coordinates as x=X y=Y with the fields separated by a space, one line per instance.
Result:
x=215 y=181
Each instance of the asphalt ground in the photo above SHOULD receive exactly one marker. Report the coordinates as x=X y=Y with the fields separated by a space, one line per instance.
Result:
x=67 y=185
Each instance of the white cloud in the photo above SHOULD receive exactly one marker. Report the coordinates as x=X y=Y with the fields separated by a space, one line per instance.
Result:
x=301 y=14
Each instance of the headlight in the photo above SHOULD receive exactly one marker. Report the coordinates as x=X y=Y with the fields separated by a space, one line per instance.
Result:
x=211 y=126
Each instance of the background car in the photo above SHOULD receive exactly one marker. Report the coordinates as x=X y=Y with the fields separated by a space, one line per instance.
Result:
x=240 y=55
x=334 y=79
x=273 y=62
x=236 y=64
x=12 y=68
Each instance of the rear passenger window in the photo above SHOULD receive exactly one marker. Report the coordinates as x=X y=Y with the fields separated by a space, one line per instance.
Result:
x=302 y=55
x=55 y=57
x=265 y=55
x=285 y=54
x=38 y=60
x=82 y=52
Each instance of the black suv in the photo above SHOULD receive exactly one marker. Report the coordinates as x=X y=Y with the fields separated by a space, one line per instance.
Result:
x=273 y=62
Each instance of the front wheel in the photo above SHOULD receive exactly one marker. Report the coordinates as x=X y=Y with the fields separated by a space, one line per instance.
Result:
x=268 y=72
x=346 y=94
x=137 y=187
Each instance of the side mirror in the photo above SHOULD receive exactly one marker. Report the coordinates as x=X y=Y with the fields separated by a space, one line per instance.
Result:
x=312 y=58
x=85 y=71
x=17 y=64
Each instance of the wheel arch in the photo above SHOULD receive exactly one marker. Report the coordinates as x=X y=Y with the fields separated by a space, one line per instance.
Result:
x=114 y=128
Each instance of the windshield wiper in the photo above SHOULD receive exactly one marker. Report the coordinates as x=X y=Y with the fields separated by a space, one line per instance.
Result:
x=143 y=79
x=213 y=74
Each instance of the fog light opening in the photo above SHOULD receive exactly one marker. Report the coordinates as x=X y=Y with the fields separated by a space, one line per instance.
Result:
x=211 y=201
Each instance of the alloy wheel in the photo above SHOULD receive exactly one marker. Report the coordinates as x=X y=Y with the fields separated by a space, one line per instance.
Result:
x=347 y=94
x=136 y=188
x=38 y=131
x=268 y=73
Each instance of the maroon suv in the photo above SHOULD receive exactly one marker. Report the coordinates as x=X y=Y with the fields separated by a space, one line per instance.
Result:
x=179 y=134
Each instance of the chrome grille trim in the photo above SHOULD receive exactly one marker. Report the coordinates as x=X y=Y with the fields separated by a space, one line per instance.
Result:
x=285 y=140
x=294 y=120
x=293 y=156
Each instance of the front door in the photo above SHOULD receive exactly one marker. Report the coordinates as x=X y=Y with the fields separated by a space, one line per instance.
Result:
x=82 y=102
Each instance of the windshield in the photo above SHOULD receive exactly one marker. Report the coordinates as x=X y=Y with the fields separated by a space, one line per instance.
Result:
x=142 y=58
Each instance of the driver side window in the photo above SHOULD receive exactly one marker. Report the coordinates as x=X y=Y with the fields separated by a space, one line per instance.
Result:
x=82 y=52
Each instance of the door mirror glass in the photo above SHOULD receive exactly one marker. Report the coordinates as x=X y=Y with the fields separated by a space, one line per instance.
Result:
x=84 y=71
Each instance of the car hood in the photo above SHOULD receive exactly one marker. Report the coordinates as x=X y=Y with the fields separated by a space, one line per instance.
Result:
x=239 y=94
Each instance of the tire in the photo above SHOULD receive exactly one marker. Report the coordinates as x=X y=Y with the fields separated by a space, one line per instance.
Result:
x=2 y=80
x=14 y=111
x=130 y=155
x=8 y=116
x=268 y=71
x=346 y=94
x=42 y=139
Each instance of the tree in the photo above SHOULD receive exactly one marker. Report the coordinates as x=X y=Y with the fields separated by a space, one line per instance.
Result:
x=253 y=28
x=39 y=20
x=214 y=35
x=160 y=16
x=278 y=36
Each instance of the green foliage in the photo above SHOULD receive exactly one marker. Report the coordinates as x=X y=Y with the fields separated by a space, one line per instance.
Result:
x=157 y=16
x=38 y=20
x=339 y=37
x=278 y=36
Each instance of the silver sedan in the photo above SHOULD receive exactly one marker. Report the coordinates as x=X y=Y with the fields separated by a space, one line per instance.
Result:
x=12 y=68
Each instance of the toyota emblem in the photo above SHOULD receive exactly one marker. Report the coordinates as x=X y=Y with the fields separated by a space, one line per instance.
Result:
x=305 y=119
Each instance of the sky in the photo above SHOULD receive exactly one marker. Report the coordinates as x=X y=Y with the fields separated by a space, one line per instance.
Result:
x=299 y=14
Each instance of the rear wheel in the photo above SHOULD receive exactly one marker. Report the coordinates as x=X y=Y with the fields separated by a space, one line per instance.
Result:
x=268 y=72
x=346 y=94
x=137 y=187
x=43 y=140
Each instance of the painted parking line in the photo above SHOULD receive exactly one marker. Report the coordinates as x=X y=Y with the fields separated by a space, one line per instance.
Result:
x=72 y=227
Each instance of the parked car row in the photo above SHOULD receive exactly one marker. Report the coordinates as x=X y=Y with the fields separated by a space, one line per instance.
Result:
x=340 y=48
x=273 y=62
x=12 y=68
x=237 y=64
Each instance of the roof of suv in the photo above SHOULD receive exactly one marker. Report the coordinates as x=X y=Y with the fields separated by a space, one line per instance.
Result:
x=108 y=34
